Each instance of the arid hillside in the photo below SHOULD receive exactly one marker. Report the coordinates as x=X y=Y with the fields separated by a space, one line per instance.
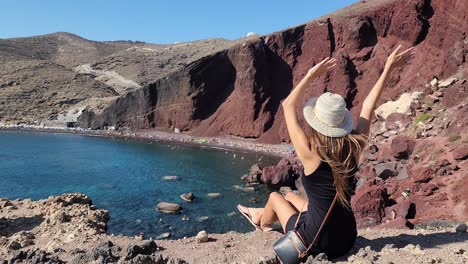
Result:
x=51 y=78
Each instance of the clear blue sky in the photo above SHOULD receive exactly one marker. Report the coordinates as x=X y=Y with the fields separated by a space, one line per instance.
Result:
x=158 y=21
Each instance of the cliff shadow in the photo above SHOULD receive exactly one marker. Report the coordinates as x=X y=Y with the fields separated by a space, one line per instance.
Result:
x=10 y=226
x=213 y=80
x=279 y=81
x=400 y=241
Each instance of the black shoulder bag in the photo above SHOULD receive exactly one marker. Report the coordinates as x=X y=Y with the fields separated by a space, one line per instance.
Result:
x=291 y=248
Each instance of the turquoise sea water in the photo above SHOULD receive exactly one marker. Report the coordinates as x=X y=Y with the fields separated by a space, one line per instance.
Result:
x=124 y=177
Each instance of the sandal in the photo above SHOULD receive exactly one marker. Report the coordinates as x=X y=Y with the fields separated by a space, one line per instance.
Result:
x=248 y=216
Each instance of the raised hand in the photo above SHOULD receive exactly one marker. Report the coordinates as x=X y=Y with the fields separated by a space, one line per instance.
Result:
x=396 y=59
x=322 y=67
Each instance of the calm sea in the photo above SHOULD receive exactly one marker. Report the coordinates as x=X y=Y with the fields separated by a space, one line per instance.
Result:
x=124 y=177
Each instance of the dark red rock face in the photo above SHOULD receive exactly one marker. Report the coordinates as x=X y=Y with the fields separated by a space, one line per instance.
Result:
x=238 y=91
x=369 y=202
x=402 y=147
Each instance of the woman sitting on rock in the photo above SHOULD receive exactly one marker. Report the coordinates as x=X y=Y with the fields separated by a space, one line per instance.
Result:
x=330 y=156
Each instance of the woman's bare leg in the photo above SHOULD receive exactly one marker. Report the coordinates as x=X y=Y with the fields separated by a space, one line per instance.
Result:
x=277 y=208
x=297 y=201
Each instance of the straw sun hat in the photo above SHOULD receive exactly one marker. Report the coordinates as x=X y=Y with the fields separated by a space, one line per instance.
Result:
x=327 y=114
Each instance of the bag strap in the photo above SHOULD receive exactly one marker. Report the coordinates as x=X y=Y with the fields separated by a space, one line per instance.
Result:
x=303 y=254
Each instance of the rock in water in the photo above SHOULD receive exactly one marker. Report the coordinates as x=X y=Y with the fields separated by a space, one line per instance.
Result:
x=163 y=235
x=249 y=189
x=168 y=208
x=188 y=197
x=202 y=237
x=202 y=218
x=170 y=178
x=237 y=187
x=214 y=195
x=231 y=214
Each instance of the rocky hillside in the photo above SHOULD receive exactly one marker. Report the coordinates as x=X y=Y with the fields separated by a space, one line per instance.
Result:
x=51 y=78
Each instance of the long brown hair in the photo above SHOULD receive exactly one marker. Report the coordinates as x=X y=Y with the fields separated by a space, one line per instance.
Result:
x=343 y=155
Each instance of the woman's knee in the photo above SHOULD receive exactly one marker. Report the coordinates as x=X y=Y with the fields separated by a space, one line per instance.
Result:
x=276 y=196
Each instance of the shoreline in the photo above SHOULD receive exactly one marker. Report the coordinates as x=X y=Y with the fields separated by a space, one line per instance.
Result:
x=221 y=143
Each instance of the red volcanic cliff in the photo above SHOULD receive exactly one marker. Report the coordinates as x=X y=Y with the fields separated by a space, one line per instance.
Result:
x=238 y=91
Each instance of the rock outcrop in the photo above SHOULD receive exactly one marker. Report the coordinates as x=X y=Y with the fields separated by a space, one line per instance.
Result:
x=39 y=232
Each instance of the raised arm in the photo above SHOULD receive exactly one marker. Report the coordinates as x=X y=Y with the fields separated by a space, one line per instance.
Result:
x=367 y=112
x=298 y=137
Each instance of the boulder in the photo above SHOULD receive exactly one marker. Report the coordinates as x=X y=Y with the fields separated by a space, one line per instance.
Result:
x=405 y=209
x=168 y=208
x=146 y=248
x=279 y=175
x=283 y=176
x=4 y=202
x=202 y=218
x=373 y=149
x=284 y=162
x=427 y=189
x=170 y=178
x=369 y=202
x=254 y=174
x=447 y=82
x=214 y=195
x=402 y=105
x=255 y=169
x=444 y=167
x=248 y=189
x=268 y=174
x=251 y=177
x=164 y=235
x=403 y=173
x=397 y=121
x=365 y=171
x=14 y=245
x=398 y=223
x=460 y=153
x=421 y=175
x=202 y=237
x=369 y=156
x=402 y=147
x=188 y=197
x=386 y=170
x=461 y=228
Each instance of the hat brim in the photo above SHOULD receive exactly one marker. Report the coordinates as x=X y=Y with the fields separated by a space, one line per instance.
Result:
x=344 y=129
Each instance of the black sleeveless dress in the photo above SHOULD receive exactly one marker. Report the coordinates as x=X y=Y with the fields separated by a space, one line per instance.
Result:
x=339 y=233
